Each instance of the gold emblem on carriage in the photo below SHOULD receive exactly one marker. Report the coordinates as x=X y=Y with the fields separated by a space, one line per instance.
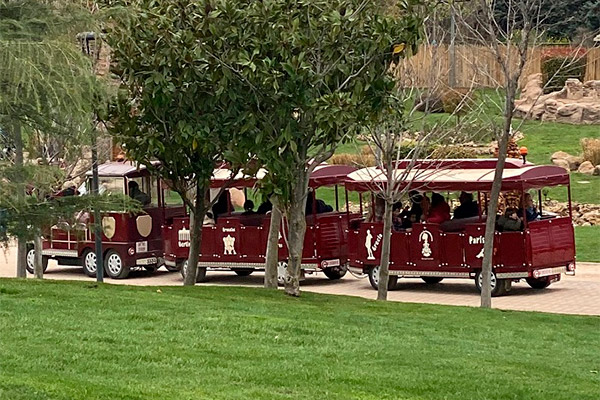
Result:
x=425 y=237
x=144 y=225
x=109 y=226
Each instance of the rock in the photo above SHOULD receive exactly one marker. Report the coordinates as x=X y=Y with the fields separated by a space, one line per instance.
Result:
x=586 y=167
x=429 y=101
x=561 y=162
x=560 y=155
x=574 y=162
x=596 y=170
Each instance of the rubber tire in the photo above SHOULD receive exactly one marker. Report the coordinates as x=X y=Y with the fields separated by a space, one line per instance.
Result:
x=124 y=270
x=432 y=280
x=502 y=285
x=29 y=261
x=538 y=283
x=200 y=272
x=335 y=273
x=176 y=268
x=374 y=279
x=151 y=268
x=91 y=274
x=244 y=272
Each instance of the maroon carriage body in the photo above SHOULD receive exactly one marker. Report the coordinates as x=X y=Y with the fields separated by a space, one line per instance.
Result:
x=539 y=253
x=238 y=242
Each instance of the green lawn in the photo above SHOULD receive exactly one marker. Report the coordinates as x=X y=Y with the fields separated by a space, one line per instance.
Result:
x=77 y=340
x=587 y=240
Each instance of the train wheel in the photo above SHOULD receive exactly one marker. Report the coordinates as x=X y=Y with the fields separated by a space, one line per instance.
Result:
x=200 y=272
x=175 y=268
x=432 y=280
x=114 y=266
x=151 y=268
x=30 y=260
x=374 y=279
x=281 y=272
x=539 y=283
x=334 y=273
x=499 y=286
x=244 y=272
x=88 y=262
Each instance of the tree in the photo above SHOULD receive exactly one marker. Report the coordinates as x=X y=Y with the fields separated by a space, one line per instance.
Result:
x=509 y=36
x=318 y=72
x=180 y=101
x=46 y=88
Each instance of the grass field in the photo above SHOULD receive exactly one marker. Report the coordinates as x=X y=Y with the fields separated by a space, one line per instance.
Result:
x=78 y=340
x=587 y=243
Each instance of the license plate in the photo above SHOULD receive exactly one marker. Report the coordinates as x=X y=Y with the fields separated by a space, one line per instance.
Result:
x=330 y=263
x=141 y=247
x=147 y=261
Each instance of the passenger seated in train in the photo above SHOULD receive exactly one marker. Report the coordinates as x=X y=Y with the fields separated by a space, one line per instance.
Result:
x=209 y=219
x=320 y=206
x=222 y=206
x=531 y=212
x=248 y=208
x=468 y=208
x=136 y=194
x=396 y=216
x=510 y=221
x=412 y=215
x=439 y=210
x=265 y=207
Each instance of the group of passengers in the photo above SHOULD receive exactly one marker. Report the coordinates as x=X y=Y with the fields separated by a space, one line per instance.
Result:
x=437 y=210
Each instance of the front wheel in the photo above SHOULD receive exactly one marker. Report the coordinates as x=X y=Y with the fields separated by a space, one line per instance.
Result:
x=431 y=280
x=335 y=273
x=244 y=272
x=30 y=260
x=499 y=287
x=539 y=283
x=374 y=279
x=114 y=266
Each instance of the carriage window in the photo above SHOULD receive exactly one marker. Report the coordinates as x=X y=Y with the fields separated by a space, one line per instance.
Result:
x=108 y=185
x=146 y=191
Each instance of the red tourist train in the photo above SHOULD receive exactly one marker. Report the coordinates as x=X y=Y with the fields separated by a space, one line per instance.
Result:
x=237 y=241
x=539 y=251
x=128 y=241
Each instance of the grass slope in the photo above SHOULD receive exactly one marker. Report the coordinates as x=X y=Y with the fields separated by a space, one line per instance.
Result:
x=78 y=340
x=587 y=243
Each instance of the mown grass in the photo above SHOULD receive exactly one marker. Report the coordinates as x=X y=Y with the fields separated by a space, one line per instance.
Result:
x=587 y=241
x=80 y=340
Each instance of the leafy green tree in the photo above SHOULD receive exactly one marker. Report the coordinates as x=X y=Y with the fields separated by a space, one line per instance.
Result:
x=317 y=71
x=46 y=85
x=180 y=100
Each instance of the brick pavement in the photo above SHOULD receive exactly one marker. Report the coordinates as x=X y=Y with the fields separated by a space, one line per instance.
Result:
x=578 y=294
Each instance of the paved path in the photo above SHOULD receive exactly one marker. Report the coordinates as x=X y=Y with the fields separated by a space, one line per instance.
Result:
x=578 y=294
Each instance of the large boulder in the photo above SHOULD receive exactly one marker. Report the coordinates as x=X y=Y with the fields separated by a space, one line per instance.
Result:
x=561 y=162
x=586 y=167
x=574 y=162
x=559 y=155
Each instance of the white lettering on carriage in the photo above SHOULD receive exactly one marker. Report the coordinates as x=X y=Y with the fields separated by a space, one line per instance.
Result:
x=476 y=240
x=228 y=229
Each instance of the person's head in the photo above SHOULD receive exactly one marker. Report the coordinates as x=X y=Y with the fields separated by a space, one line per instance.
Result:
x=68 y=185
x=248 y=205
x=528 y=200
x=133 y=186
x=209 y=215
x=397 y=209
x=465 y=197
x=511 y=213
x=436 y=199
x=415 y=196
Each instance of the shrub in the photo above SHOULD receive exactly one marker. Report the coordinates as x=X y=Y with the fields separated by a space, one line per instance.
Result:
x=557 y=70
x=454 y=151
x=458 y=101
x=355 y=160
x=591 y=150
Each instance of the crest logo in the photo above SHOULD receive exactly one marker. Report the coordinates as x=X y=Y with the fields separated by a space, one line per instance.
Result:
x=426 y=237
x=109 y=227
x=184 y=237
x=144 y=225
x=229 y=245
x=370 y=246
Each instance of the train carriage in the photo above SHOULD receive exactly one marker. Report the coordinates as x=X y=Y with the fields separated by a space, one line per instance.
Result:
x=238 y=242
x=538 y=253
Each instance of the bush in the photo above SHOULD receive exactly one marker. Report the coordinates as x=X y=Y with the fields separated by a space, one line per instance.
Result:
x=355 y=160
x=591 y=150
x=557 y=70
x=454 y=151
x=458 y=101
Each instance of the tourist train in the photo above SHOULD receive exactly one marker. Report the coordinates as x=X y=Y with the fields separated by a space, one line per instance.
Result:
x=432 y=246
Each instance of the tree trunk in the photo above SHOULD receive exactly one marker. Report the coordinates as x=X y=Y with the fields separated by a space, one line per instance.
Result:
x=272 y=257
x=490 y=223
x=196 y=222
x=296 y=232
x=38 y=267
x=384 y=266
x=21 y=242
